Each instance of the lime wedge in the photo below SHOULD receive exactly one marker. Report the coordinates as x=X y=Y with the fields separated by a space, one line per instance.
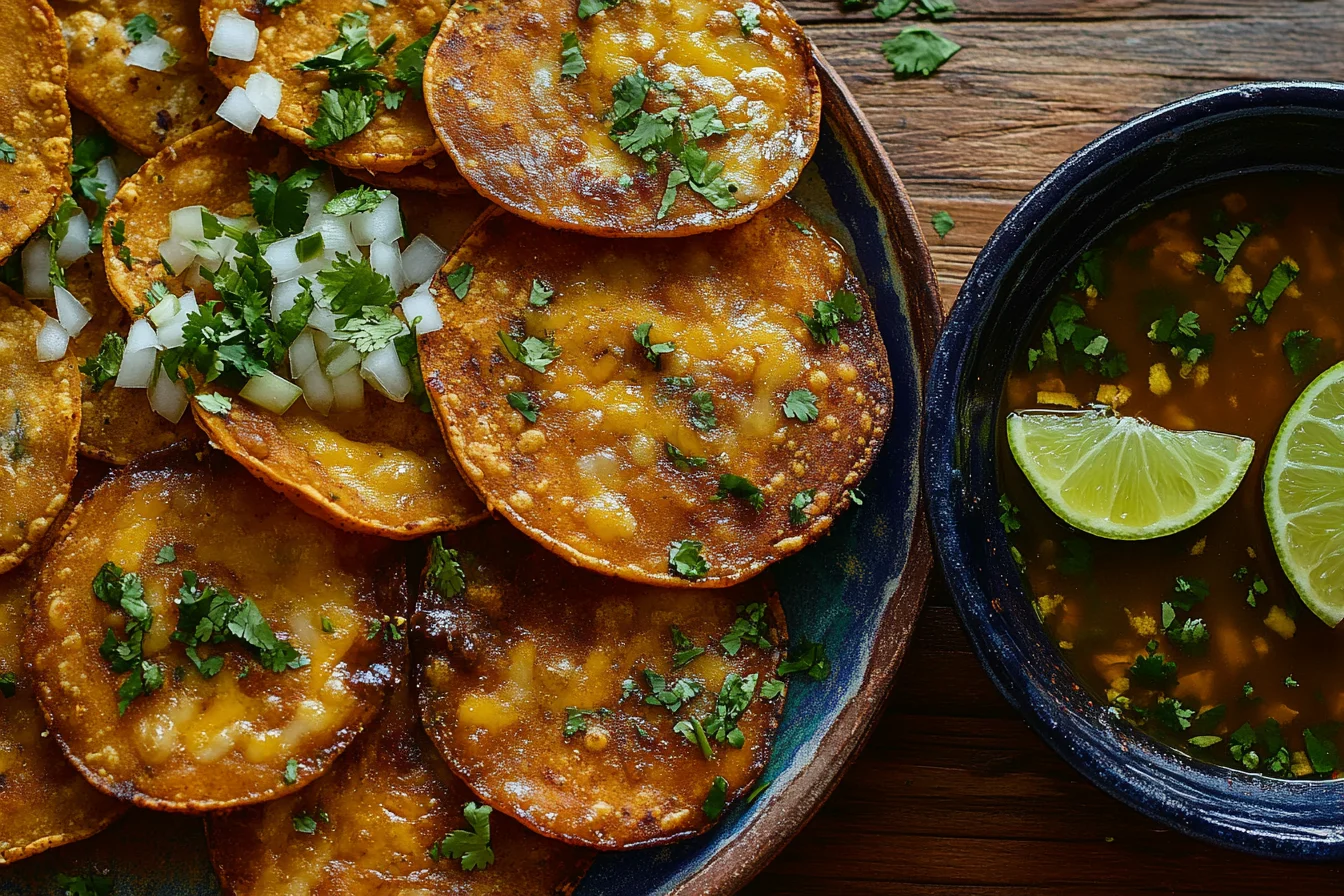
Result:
x=1122 y=477
x=1304 y=495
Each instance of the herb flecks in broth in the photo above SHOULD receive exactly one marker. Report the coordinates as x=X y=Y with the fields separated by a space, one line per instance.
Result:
x=1198 y=637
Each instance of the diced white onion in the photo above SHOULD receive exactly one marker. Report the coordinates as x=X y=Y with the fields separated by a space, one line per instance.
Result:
x=302 y=356
x=320 y=193
x=163 y=312
x=106 y=174
x=264 y=92
x=152 y=53
x=338 y=358
x=347 y=391
x=194 y=279
x=383 y=223
x=141 y=336
x=422 y=259
x=167 y=398
x=235 y=37
x=335 y=232
x=271 y=392
x=36 y=261
x=52 y=341
x=317 y=390
x=171 y=333
x=283 y=258
x=420 y=304
x=70 y=312
x=238 y=110
x=177 y=256
x=136 y=368
x=385 y=259
x=75 y=244
x=322 y=320
x=383 y=370
x=283 y=296
x=186 y=224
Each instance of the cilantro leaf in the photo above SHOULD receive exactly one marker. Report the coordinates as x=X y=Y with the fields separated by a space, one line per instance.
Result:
x=459 y=280
x=670 y=698
x=572 y=63
x=471 y=847
x=704 y=122
x=589 y=8
x=9 y=683
x=801 y=405
x=1181 y=332
x=166 y=554
x=888 y=9
x=702 y=411
x=523 y=404
x=1225 y=247
x=798 y=506
x=410 y=68
x=1152 y=670
x=684 y=559
x=1069 y=342
x=918 y=51
x=686 y=649
x=1173 y=714
x=104 y=366
x=540 y=294
x=126 y=592
x=576 y=720
x=718 y=796
x=749 y=18
x=90 y=885
x=733 y=486
x=141 y=28
x=351 y=285
x=943 y=224
x=1008 y=512
x=1321 y=751
x=750 y=627
x=291 y=773
x=215 y=403
x=445 y=574
x=1260 y=304
x=824 y=322
x=361 y=198
x=733 y=700
x=8 y=154
x=810 y=658
x=282 y=204
x=684 y=462
x=341 y=113
x=1301 y=349
x=533 y=353
x=653 y=351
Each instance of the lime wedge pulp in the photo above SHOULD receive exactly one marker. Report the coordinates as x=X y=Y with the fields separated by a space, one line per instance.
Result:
x=1123 y=477
x=1304 y=495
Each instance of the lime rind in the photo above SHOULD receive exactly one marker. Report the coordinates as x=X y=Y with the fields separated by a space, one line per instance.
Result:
x=1124 y=478
x=1304 y=495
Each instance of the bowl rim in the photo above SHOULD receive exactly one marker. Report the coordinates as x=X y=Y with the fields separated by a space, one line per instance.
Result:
x=752 y=849
x=1230 y=821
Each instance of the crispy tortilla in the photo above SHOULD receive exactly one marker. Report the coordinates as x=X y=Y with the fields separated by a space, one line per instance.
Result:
x=39 y=431
x=246 y=734
x=593 y=478
x=394 y=139
x=143 y=109
x=376 y=816
x=34 y=120
x=382 y=470
x=438 y=175
x=537 y=142
x=209 y=168
x=116 y=426
x=502 y=664
x=44 y=802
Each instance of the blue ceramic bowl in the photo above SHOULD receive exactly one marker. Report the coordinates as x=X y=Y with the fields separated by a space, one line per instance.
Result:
x=1255 y=127
x=858 y=591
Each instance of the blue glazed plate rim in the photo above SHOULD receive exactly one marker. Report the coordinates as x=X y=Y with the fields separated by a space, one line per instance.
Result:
x=1270 y=817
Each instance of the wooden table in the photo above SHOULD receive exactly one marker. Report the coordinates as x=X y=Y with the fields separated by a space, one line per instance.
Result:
x=954 y=794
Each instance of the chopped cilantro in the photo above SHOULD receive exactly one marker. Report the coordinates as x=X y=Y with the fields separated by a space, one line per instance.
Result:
x=215 y=403
x=693 y=731
x=718 y=796
x=888 y=9
x=670 y=698
x=459 y=280
x=1181 y=332
x=942 y=224
x=750 y=627
x=1152 y=670
x=684 y=559
x=1069 y=342
x=533 y=352
x=1321 y=750
x=733 y=486
x=759 y=788
x=593 y=7
x=1289 y=681
x=141 y=28
x=523 y=404
x=540 y=294
x=938 y=10
x=1192 y=635
x=9 y=683
x=305 y=824
x=798 y=506
x=291 y=773
x=8 y=154
x=445 y=574
x=125 y=592
x=684 y=462
x=572 y=63
x=167 y=554
x=802 y=228
x=1241 y=746
x=1008 y=512
x=809 y=658
x=771 y=688
x=732 y=702
x=410 y=68
x=327 y=626
x=1204 y=741
x=653 y=351
x=341 y=114
x=391 y=629
x=103 y=367
x=1248 y=690
x=357 y=199
x=1256 y=586
x=686 y=649
x=208 y=615
x=576 y=720
x=282 y=205
x=749 y=18
x=1260 y=304
x=1301 y=349
x=824 y=323
x=918 y=51
x=1188 y=591
x=89 y=885
x=1173 y=714
x=702 y=411
x=801 y=405
x=1225 y=247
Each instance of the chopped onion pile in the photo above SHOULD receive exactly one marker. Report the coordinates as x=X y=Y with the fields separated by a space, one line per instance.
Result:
x=327 y=372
